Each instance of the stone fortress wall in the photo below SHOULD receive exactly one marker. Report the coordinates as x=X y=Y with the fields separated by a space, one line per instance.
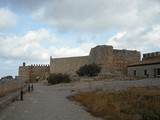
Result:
x=111 y=60
x=34 y=72
x=122 y=58
x=68 y=65
x=10 y=85
x=151 y=56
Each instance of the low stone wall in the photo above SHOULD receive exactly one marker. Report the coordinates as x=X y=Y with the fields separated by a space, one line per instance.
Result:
x=10 y=85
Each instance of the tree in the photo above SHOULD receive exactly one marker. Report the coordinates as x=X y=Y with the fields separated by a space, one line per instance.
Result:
x=89 y=70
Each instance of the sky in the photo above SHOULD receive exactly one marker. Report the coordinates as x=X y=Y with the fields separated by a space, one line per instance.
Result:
x=33 y=30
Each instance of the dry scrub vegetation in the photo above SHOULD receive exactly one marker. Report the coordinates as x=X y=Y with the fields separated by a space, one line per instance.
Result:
x=129 y=104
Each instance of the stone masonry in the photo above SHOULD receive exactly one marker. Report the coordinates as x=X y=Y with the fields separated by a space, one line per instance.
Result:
x=8 y=85
x=111 y=60
x=148 y=67
x=33 y=73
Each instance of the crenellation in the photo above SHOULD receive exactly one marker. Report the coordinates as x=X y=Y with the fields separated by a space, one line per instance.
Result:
x=158 y=53
x=24 y=64
x=149 y=56
x=148 y=67
x=32 y=72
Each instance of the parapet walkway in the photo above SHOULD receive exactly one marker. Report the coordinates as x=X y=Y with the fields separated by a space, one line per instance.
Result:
x=45 y=103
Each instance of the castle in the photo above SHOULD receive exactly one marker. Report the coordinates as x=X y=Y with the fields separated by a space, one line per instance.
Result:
x=34 y=72
x=112 y=62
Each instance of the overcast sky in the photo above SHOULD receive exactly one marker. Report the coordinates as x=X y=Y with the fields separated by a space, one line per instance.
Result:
x=33 y=30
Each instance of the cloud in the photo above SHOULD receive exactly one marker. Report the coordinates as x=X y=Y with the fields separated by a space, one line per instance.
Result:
x=142 y=39
x=135 y=22
x=95 y=16
x=8 y=18
x=154 y=35
x=38 y=46
x=82 y=50
x=30 y=46
x=29 y=5
x=92 y=15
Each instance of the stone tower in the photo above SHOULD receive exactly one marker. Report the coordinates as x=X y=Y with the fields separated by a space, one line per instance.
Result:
x=103 y=55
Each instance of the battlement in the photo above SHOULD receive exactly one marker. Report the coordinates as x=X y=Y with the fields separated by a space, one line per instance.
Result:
x=150 y=56
x=36 y=65
x=34 y=71
x=40 y=65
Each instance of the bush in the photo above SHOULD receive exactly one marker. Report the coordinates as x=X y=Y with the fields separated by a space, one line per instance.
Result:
x=7 y=77
x=89 y=70
x=58 y=78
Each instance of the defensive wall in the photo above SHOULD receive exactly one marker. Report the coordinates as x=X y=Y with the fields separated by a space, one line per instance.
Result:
x=33 y=73
x=10 y=85
x=122 y=58
x=111 y=60
x=148 y=67
x=151 y=56
x=68 y=65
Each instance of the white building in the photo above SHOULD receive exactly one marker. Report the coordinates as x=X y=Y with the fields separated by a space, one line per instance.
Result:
x=148 y=67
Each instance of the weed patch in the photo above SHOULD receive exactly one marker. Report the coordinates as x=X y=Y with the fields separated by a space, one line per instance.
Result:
x=129 y=104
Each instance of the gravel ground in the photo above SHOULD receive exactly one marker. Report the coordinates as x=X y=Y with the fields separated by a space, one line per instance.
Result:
x=50 y=103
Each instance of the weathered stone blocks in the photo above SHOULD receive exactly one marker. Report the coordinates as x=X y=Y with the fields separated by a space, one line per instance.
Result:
x=112 y=61
x=33 y=73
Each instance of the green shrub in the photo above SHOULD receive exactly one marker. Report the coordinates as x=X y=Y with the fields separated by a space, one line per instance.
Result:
x=7 y=77
x=58 y=78
x=89 y=70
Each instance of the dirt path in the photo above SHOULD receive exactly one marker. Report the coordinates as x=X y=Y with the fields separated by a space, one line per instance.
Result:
x=45 y=103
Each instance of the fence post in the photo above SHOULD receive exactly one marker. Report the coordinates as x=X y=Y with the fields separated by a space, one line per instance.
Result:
x=32 y=87
x=29 y=87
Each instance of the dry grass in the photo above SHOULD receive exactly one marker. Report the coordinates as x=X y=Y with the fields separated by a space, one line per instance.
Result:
x=129 y=104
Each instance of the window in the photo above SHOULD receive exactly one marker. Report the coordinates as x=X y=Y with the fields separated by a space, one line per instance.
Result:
x=135 y=72
x=145 y=72
x=155 y=72
x=158 y=71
